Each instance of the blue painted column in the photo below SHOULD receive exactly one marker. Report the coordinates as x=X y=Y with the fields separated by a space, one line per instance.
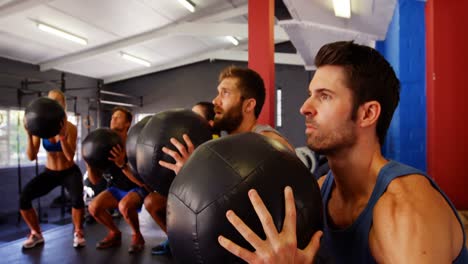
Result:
x=404 y=47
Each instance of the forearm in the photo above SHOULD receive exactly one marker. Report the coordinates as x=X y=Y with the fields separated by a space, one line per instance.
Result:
x=126 y=170
x=94 y=175
x=32 y=147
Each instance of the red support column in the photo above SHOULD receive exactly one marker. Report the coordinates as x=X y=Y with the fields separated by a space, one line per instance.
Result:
x=262 y=51
x=447 y=53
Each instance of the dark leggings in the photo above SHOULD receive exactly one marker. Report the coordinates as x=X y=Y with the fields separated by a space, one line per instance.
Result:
x=71 y=179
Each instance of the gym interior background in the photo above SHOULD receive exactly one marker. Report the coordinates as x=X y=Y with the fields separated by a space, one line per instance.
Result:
x=422 y=44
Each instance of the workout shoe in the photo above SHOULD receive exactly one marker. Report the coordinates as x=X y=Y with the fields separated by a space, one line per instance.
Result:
x=33 y=240
x=138 y=243
x=111 y=240
x=162 y=249
x=78 y=240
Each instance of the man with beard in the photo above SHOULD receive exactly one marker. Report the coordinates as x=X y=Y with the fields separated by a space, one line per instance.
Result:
x=376 y=210
x=241 y=94
x=125 y=192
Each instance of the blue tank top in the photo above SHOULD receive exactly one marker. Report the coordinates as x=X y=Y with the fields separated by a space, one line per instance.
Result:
x=51 y=147
x=351 y=245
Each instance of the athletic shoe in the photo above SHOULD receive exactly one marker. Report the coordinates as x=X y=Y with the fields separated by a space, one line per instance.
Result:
x=138 y=243
x=78 y=240
x=162 y=249
x=33 y=240
x=111 y=240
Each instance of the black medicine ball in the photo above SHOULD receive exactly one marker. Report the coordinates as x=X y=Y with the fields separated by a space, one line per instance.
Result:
x=44 y=117
x=131 y=144
x=156 y=134
x=97 y=145
x=217 y=177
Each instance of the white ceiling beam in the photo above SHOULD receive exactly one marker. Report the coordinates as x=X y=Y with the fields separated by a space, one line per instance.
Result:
x=192 y=29
x=139 y=38
x=328 y=28
x=237 y=55
x=219 y=54
x=195 y=57
x=17 y=6
x=228 y=14
x=230 y=55
x=223 y=29
x=166 y=66
x=115 y=45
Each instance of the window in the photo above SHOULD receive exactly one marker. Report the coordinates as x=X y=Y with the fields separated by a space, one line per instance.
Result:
x=13 y=139
x=76 y=120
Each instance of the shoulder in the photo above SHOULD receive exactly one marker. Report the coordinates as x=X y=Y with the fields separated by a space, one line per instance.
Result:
x=412 y=192
x=413 y=221
x=70 y=125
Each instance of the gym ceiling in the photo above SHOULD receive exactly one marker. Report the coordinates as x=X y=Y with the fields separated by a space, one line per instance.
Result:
x=164 y=34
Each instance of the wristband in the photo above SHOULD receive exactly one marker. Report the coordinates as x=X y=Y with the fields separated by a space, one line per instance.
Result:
x=123 y=166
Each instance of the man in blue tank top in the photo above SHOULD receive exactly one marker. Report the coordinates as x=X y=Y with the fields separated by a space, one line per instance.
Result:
x=376 y=210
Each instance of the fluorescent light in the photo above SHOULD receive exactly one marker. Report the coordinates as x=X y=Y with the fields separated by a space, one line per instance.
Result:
x=135 y=59
x=233 y=40
x=62 y=33
x=342 y=8
x=279 y=108
x=116 y=103
x=188 y=4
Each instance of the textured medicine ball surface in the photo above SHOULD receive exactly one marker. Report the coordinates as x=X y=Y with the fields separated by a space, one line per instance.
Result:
x=156 y=134
x=131 y=144
x=217 y=177
x=97 y=145
x=44 y=117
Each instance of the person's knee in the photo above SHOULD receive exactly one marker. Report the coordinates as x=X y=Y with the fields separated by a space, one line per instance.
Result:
x=95 y=207
x=148 y=202
x=155 y=203
x=126 y=206
x=123 y=208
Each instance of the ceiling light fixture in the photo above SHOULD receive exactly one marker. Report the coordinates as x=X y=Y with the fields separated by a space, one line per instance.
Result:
x=342 y=8
x=233 y=40
x=62 y=33
x=188 y=4
x=135 y=59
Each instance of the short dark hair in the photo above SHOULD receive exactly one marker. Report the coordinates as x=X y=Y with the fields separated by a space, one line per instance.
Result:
x=208 y=110
x=368 y=75
x=124 y=110
x=250 y=84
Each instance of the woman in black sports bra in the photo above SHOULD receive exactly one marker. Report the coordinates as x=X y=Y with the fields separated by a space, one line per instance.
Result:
x=60 y=170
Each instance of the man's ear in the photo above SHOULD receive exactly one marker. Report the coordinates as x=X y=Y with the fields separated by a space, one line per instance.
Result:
x=249 y=105
x=211 y=122
x=369 y=113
